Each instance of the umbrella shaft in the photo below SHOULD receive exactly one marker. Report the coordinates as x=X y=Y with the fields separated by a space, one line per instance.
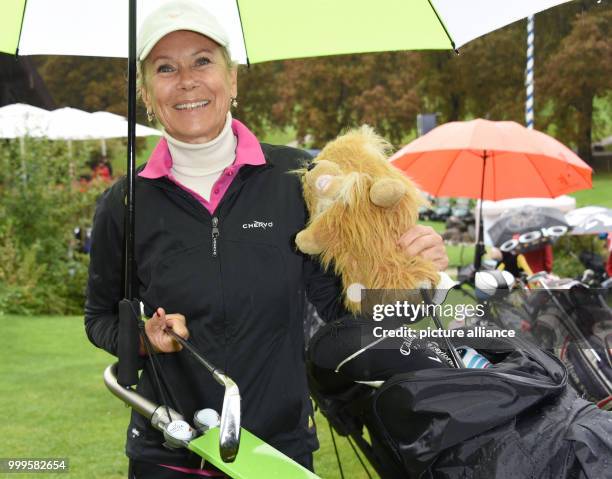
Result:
x=130 y=207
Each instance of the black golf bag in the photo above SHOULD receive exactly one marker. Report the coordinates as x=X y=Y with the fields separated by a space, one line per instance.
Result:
x=563 y=316
x=575 y=323
x=516 y=419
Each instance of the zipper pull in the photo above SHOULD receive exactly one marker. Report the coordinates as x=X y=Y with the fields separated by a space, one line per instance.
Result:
x=215 y=235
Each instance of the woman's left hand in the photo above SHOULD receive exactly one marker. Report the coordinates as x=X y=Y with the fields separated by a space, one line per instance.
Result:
x=423 y=241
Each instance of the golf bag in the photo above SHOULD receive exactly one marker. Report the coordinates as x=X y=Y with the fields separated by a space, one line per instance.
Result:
x=575 y=323
x=516 y=419
x=563 y=316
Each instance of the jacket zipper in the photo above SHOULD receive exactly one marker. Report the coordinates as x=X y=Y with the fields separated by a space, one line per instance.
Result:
x=215 y=235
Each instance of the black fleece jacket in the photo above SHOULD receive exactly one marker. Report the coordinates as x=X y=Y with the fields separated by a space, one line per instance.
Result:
x=242 y=293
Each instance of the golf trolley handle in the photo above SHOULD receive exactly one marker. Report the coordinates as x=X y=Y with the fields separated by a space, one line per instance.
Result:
x=158 y=415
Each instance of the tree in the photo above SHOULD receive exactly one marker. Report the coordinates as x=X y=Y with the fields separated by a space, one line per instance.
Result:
x=88 y=83
x=323 y=96
x=258 y=92
x=575 y=74
x=442 y=85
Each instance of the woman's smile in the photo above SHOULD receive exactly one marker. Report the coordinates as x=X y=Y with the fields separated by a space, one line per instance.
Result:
x=190 y=106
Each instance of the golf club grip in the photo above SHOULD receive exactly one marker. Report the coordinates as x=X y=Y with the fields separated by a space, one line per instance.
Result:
x=189 y=347
x=451 y=349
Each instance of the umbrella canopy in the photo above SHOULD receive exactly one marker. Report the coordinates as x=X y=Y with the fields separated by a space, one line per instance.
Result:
x=263 y=30
x=19 y=120
x=73 y=124
x=578 y=215
x=523 y=230
x=590 y=220
x=115 y=126
x=492 y=160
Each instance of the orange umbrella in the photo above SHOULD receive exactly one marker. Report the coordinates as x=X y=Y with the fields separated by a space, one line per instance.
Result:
x=492 y=160
x=452 y=159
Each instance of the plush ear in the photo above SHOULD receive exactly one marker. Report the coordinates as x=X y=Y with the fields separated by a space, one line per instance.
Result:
x=307 y=243
x=387 y=192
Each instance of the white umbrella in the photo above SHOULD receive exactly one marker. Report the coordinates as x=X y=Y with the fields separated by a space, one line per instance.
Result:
x=73 y=124
x=115 y=126
x=19 y=120
x=590 y=220
x=579 y=215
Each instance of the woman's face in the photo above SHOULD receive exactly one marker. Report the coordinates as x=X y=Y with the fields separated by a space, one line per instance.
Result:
x=189 y=86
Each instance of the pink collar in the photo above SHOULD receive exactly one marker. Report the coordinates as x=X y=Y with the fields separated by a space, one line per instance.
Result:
x=248 y=152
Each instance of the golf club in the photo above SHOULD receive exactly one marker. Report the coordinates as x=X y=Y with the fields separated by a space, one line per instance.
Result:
x=229 y=434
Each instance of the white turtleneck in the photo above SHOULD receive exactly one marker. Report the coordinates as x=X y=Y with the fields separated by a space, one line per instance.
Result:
x=199 y=165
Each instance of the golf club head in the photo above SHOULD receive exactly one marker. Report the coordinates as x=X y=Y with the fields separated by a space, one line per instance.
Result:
x=229 y=433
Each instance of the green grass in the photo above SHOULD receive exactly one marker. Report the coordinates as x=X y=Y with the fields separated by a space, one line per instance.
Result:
x=54 y=403
x=276 y=136
x=53 y=400
x=599 y=195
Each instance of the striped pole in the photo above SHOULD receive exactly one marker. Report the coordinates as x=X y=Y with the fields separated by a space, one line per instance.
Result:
x=529 y=73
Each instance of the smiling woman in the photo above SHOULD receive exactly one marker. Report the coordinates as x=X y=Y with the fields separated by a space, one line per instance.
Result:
x=214 y=248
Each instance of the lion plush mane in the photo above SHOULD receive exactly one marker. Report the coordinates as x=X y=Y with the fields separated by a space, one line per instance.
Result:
x=360 y=206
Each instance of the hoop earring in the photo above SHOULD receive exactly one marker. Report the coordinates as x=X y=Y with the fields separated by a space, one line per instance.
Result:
x=150 y=116
x=234 y=102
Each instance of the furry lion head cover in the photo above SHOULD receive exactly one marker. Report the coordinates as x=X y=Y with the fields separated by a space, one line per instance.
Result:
x=360 y=206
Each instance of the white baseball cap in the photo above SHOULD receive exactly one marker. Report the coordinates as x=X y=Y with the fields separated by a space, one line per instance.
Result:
x=178 y=15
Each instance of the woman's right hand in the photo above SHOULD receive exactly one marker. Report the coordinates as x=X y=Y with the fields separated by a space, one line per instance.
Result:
x=156 y=327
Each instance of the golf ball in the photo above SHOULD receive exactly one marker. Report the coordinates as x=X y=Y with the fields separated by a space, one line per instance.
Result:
x=180 y=430
x=206 y=418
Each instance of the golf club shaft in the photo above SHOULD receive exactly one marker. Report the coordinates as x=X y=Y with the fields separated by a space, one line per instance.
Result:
x=189 y=347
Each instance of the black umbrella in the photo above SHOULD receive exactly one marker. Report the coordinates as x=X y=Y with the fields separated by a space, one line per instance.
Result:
x=527 y=229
